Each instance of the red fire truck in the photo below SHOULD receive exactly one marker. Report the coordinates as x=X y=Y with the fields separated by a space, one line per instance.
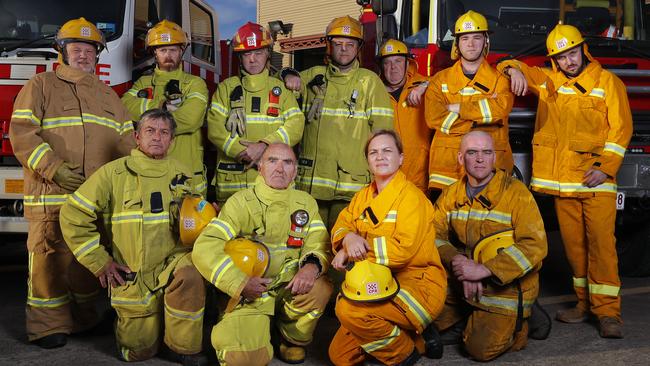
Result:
x=618 y=35
x=27 y=29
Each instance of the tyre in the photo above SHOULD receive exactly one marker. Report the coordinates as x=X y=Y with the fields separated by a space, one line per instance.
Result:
x=633 y=248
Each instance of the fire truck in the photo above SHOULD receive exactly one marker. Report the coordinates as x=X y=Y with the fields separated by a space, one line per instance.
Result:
x=27 y=30
x=618 y=35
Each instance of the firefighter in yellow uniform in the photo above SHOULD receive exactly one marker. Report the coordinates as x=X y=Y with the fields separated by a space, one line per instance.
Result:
x=250 y=111
x=494 y=293
x=583 y=127
x=185 y=96
x=406 y=86
x=293 y=289
x=65 y=125
x=343 y=104
x=154 y=284
x=388 y=223
x=471 y=95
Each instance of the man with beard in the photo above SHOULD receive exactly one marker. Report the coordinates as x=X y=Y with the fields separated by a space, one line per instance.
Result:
x=583 y=127
x=470 y=95
x=250 y=111
x=65 y=125
x=491 y=239
x=185 y=96
x=344 y=104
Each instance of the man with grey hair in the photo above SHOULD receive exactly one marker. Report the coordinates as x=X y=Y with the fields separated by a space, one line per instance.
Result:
x=136 y=197
x=491 y=239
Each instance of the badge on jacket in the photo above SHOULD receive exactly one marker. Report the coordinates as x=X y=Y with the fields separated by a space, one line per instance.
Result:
x=299 y=219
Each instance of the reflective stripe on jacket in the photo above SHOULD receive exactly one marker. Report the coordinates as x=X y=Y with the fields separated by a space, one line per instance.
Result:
x=332 y=162
x=66 y=115
x=582 y=123
x=485 y=103
x=505 y=203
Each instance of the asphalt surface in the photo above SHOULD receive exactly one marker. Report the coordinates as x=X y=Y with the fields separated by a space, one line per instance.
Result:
x=575 y=344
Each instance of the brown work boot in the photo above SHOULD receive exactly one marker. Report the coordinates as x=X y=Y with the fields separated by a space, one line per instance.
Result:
x=572 y=315
x=610 y=327
x=291 y=353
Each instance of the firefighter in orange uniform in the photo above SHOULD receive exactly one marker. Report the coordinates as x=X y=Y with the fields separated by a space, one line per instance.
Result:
x=65 y=125
x=584 y=125
x=389 y=223
x=406 y=86
x=470 y=95
x=492 y=287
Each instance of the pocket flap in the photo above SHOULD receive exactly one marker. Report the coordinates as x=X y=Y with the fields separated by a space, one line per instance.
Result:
x=585 y=146
x=544 y=139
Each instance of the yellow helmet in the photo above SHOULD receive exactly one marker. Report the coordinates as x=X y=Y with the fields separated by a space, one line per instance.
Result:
x=393 y=47
x=368 y=281
x=562 y=38
x=345 y=27
x=470 y=22
x=166 y=33
x=195 y=215
x=251 y=257
x=79 y=30
x=488 y=247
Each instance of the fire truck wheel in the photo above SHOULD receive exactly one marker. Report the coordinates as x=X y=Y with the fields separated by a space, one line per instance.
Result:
x=633 y=247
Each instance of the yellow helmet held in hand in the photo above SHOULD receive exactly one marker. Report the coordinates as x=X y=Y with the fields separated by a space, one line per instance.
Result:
x=344 y=27
x=195 y=215
x=166 y=33
x=393 y=47
x=79 y=30
x=368 y=281
x=251 y=257
x=562 y=38
x=488 y=247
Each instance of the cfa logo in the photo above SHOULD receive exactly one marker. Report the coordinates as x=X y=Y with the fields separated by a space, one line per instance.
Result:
x=251 y=41
x=346 y=29
x=561 y=43
x=85 y=31
x=389 y=48
x=468 y=26
x=165 y=37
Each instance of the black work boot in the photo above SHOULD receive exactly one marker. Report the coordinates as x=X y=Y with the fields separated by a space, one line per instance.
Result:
x=432 y=343
x=54 y=340
x=196 y=359
x=411 y=360
x=539 y=323
x=454 y=334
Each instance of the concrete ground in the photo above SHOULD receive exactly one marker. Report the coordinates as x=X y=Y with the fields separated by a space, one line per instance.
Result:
x=577 y=344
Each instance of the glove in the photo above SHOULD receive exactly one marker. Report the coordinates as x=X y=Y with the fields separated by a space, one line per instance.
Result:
x=316 y=108
x=66 y=178
x=173 y=95
x=236 y=122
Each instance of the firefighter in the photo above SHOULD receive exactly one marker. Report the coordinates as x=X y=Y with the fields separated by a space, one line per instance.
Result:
x=583 y=127
x=343 y=103
x=293 y=289
x=494 y=293
x=153 y=284
x=65 y=125
x=470 y=95
x=185 y=96
x=389 y=224
x=406 y=87
x=250 y=111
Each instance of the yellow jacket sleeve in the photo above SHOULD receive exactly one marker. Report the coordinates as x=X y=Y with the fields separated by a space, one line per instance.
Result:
x=536 y=77
x=380 y=110
x=293 y=122
x=491 y=110
x=189 y=115
x=136 y=105
x=435 y=109
x=217 y=116
x=317 y=243
x=619 y=119
x=441 y=224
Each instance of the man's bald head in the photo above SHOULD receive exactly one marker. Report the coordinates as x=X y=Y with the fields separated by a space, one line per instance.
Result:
x=473 y=136
x=278 y=165
x=477 y=156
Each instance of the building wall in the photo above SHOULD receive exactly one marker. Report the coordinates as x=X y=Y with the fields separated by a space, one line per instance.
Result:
x=308 y=17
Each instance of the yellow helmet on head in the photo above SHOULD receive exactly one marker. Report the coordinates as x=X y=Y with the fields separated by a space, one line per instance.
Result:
x=368 y=281
x=393 y=47
x=79 y=30
x=166 y=33
x=470 y=22
x=563 y=38
x=345 y=27
x=489 y=246
x=195 y=215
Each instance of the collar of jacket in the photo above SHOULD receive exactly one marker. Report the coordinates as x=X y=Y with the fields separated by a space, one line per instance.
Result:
x=145 y=166
x=484 y=81
x=268 y=195
x=335 y=75
x=161 y=77
x=254 y=83
x=586 y=80
x=382 y=203
x=75 y=76
x=489 y=197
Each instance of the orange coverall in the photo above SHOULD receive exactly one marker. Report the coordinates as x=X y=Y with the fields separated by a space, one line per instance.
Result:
x=582 y=123
x=485 y=103
x=398 y=226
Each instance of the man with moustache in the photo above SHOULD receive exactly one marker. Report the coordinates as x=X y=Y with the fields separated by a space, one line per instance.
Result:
x=582 y=130
x=184 y=95
x=344 y=104
x=471 y=95
x=492 y=283
x=65 y=125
